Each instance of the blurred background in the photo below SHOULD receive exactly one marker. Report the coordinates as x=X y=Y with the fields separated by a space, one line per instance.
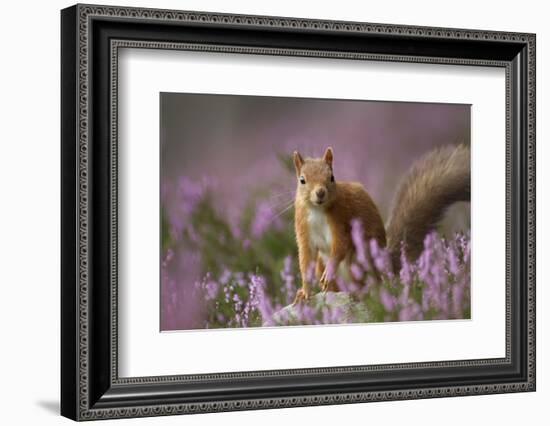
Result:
x=227 y=182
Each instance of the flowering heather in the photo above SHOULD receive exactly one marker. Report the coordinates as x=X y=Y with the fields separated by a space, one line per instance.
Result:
x=289 y=280
x=254 y=287
x=264 y=219
x=216 y=274
x=359 y=243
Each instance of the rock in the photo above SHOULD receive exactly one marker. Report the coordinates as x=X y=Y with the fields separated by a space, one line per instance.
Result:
x=322 y=308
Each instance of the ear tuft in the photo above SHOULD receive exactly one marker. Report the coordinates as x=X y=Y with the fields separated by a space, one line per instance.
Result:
x=298 y=162
x=328 y=157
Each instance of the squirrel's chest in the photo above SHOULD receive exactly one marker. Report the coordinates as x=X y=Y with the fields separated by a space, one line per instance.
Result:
x=320 y=235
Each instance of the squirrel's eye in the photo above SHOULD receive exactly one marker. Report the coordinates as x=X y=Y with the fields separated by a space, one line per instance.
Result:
x=302 y=180
x=332 y=178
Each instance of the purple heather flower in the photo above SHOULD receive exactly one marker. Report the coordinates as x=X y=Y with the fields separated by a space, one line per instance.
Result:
x=358 y=238
x=333 y=315
x=180 y=200
x=356 y=271
x=326 y=315
x=388 y=301
x=225 y=276
x=264 y=305
x=264 y=219
x=240 y=279
x=453 y=260
x=288 y=279
x=368 y=284
x=307 y=315
x=381 y=258
x=236 y=231
x=227 y=293
x=404 y=296
x=406 y=269
x=343 y=285
x=310 y=273
x=190 y=192
x=411 y=312
x=287 y=265
x=211 y=288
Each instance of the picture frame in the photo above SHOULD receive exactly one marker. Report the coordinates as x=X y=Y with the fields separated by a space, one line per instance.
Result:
x=91 y=37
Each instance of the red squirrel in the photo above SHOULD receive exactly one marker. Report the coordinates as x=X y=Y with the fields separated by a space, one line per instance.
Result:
x=325 y=208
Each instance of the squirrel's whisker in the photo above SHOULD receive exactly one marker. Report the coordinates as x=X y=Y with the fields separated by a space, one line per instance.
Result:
x=284 y=210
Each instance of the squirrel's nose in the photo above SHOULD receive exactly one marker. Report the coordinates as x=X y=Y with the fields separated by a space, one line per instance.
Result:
x=320 y=193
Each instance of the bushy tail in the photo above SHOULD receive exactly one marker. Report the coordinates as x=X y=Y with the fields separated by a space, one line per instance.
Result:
x=437 y=180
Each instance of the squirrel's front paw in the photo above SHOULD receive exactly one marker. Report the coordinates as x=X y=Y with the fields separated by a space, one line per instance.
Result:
x=301 y=296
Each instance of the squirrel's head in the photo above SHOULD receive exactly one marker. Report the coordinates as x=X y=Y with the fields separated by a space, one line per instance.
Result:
x=316 y=184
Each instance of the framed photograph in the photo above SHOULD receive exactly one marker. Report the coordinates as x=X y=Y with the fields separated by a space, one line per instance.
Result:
x=263 y=212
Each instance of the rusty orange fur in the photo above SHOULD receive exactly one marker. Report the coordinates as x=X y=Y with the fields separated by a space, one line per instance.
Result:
x=341 y=203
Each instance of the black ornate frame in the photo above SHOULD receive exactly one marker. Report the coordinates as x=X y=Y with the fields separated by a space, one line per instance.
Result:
x=91 y=37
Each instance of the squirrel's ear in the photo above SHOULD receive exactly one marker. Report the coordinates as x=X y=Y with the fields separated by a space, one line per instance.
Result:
x=298 y=162
x=328 y=156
